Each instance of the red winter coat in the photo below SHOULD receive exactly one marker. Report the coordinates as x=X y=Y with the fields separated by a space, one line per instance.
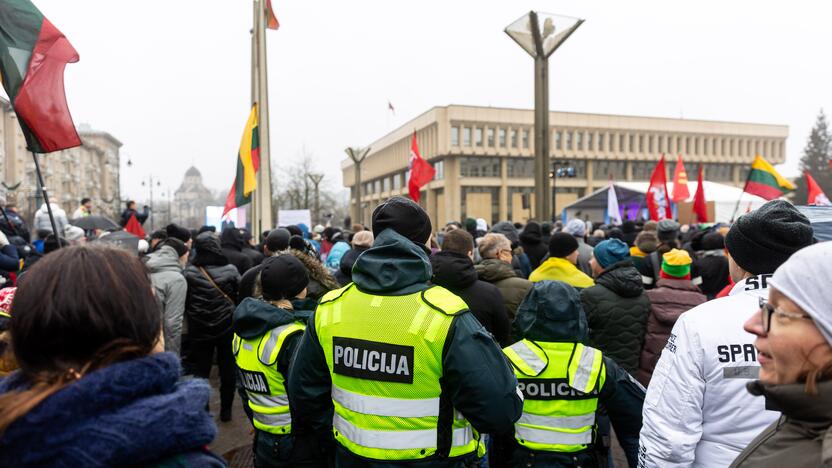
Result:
x=670 y=299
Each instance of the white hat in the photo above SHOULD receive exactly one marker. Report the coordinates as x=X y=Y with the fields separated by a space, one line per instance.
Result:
x=804 y=279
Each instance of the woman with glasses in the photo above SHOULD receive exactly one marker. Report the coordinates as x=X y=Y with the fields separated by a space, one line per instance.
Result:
x=794 y=332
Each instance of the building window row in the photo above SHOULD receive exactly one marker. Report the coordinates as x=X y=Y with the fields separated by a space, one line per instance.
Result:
x=602 y=141
x=491 y=137
x=399 y=180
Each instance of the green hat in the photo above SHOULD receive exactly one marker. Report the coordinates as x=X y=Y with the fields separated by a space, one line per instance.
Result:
x=676 y=263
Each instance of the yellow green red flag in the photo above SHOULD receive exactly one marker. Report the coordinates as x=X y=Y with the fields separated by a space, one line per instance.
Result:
x=764 y=181
x=248 y=163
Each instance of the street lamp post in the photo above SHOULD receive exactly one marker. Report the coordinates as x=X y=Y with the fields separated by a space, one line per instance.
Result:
x=540 y=34
x=357 y=155
x=316 y=181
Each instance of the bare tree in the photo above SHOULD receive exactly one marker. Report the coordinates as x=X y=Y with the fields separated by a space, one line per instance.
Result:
x=295 y=190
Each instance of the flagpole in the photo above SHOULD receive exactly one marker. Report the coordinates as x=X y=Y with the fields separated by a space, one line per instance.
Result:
x=263 y=193
x=737 y=207
x=43 y=191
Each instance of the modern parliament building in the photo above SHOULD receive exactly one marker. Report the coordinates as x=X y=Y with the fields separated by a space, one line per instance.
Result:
x=484 y=157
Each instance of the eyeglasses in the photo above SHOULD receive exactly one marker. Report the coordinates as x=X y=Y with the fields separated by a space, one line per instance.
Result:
x=767 y=310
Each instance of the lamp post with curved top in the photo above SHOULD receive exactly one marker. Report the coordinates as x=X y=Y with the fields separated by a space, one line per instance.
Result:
x=540 y=34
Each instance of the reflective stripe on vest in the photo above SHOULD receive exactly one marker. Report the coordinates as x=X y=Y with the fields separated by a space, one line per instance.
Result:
x=273 y=420
x=560 y=383
x=566 y=422
x=583 y=373
x=384 y=355
x=264 y=385
x=399 y=440
x=543 y=436
x=381 y=406
x=533 y=363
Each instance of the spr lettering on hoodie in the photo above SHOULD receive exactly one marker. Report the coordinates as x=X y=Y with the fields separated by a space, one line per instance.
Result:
x=372 y=360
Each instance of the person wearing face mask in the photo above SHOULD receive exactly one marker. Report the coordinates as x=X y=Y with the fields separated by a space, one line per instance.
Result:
x=794 y=332
x=697 y=411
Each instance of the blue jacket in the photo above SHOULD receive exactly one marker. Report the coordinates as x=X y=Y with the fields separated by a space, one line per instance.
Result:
x=477 y=379
x=133 y=413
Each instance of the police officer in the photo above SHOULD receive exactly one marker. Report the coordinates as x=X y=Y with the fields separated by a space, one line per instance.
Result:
x=266 y=334
x=398 y=370
x=563 y=382
x=697 y=411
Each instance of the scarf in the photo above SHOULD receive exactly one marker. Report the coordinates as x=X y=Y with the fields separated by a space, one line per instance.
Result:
x=126 y=414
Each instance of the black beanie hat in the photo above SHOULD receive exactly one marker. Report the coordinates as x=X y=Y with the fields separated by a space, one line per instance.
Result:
x=282 y=277
x=294 y=230
x=297 y=243
x=562 y=244
x=178 y=232
x=403 y=216
x=764 y=239
x=277 y=240
x=177 y=245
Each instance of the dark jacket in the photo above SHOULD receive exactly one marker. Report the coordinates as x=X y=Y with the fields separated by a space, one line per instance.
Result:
x=132 y=413
x=344 y=273
x=533 y=246
x=501 y=274
x=668 y=301
x=140 y=217
x=9 y=263
x=247 y=282
x=253 y=254
x=713 y=268
x=477 y=379
x=801 y=437
x=232 y=248
x=616 y=308
x=552 y=313
x=208 y=310
x=455 y=272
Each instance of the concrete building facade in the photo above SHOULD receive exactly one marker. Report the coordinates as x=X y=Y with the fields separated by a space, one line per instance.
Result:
x=90 y=170
x=484 y=157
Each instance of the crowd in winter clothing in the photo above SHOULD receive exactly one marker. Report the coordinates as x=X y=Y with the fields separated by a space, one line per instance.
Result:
x=674 y=310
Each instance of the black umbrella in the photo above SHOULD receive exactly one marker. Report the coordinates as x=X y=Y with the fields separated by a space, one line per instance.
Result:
x=121 y=239
x=90 y=223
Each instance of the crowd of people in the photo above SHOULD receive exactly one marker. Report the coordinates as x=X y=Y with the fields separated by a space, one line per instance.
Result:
x=536 y=344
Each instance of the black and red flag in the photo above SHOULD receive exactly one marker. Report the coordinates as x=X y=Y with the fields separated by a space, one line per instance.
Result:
x=33 y=55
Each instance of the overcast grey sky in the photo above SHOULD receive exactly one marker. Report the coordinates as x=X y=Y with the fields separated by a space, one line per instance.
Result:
x=170 y=78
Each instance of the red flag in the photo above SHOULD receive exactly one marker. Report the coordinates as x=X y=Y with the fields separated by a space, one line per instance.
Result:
x=816 y=195
x=271 y=20
x=421 y=172
x=700 y=208
x=657 y=202
x=134 y=227
x=680 y=183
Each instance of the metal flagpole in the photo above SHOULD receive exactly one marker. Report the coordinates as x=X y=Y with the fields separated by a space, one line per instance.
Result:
x=43 y=190
x=255 y=88
x=264 y=182
x=734 y=216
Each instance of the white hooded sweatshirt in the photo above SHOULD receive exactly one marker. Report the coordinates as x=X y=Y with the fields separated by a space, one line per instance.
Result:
x=697 y=411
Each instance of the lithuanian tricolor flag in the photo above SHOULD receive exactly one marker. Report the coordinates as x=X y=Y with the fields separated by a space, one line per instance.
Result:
x=33 y=55
x=248 y=163
x=766 y=182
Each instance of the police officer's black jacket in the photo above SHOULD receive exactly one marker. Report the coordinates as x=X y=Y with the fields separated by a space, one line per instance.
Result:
x=477 y=378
